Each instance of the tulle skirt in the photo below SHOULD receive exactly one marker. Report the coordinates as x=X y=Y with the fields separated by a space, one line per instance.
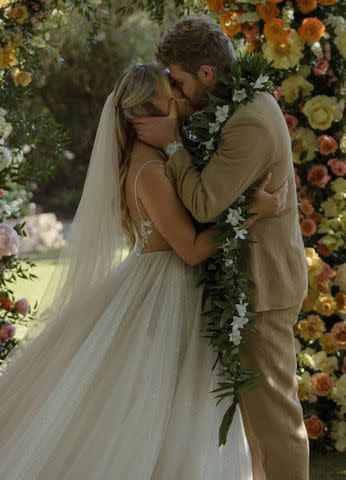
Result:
x=117 y=388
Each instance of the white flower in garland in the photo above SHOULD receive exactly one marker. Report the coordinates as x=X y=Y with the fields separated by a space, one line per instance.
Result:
x=228 y=262
x=221 y=113
x=234 y=216
x=5 y=158
x=209 y=145
x=240 y=233
x=214 y=127
x=239 y=95
x=261 y=80
x=235 y=337
x=239 y=323
x=241 y=309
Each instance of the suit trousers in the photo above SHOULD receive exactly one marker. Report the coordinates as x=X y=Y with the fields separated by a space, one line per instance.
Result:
x=272 y=413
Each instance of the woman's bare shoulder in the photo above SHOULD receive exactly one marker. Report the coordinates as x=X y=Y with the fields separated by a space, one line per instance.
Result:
x=142 y=152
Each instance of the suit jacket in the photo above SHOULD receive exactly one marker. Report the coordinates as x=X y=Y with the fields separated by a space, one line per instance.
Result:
x=254 y=141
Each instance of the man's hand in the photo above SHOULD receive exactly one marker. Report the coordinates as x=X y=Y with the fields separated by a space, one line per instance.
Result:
x=158 y=131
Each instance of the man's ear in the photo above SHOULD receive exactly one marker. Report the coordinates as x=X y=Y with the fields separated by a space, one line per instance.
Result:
x=206 y=74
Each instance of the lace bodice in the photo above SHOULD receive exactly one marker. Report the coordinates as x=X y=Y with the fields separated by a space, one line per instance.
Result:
x=146 y=225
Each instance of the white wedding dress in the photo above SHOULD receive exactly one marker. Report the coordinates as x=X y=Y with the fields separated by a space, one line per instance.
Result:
x=124 y=394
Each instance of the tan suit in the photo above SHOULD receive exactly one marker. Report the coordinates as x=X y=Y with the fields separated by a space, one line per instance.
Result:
x=255 y=140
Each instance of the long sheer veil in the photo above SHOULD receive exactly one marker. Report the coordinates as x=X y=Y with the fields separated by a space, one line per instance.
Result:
x=95 y=241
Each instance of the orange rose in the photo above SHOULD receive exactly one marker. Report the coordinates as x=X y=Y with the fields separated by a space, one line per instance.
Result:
x=315 y=427
x=340 y=299
x=7 y=56
x=274 y=31
x=21 y=78
x=309 y=301
x=6 y=303
x=339 y=334
x=267 y=11
x=327 y=342
x=327 y=2
x=251 y=32
x=306 y=6
x=227 y=25
x=215 y=5
x=311 y=29
x=19 y=13
x=322 y=383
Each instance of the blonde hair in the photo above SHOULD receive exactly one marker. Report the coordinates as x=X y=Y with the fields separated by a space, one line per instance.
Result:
x=133 y=93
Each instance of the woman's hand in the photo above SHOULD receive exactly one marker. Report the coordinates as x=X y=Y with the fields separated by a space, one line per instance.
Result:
x=269 y=204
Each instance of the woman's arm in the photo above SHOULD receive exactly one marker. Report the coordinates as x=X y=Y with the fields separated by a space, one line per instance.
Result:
x=173 y=220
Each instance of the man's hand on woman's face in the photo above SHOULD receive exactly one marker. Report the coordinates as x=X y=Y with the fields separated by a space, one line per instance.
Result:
x=158 y=131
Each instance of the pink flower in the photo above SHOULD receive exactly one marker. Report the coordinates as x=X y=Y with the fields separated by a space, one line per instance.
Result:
x=337 y=166
x=321 y=67
x=22 y=305
x=318 y=176
x=327 y=273
x=297 y=178
x=327 y=144
x=308 y=227
x=277 y=93
x=297 y=345
x=7 y=332
x=291 y=121
x=9 y=241
x=306 y=207
x=323 y=250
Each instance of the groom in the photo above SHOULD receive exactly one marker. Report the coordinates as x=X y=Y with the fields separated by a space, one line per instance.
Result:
x=255 y=140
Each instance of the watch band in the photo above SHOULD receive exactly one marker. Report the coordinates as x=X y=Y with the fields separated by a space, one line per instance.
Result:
x=172 y=148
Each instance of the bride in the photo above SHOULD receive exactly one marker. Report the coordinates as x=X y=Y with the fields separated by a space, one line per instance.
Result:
x=112 y=380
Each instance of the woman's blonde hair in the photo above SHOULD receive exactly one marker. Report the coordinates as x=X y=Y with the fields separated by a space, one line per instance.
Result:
x=134 y=92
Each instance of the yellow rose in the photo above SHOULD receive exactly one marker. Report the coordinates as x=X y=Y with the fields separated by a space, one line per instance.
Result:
x=325 y=305
x=7 y=57
x=340 y=42
x=4 y=3
x=327 y=343
x=339 y=390
x=332 y=208
x=21 y=78
x=311 y=328
x=304 y=386
x=18 y=13
x=294 y=87
x=309 y=301
x=304 y=145
x=339 y=185
x=287 y=54
x=322 y=111
x=342 y=143
x=325 y=363
x=340 y=280
x=315 y=264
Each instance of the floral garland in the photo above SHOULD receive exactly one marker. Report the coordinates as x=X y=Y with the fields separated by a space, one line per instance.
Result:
x=226 y=286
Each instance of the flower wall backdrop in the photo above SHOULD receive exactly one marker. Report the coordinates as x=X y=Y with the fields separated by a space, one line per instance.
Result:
x=306 y=41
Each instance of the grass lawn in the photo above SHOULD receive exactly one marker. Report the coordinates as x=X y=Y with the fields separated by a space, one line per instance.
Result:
x=331 y=466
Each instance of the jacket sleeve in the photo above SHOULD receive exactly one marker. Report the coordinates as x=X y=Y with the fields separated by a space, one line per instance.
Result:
x=244 y=156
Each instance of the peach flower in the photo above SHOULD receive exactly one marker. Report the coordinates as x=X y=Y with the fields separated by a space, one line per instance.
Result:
x=306 y=6
x=321 y=67
x=327 y=342
x=291 y=121
x=318 y=176
x=277 y=93
x=308 y=227
x=325 y=305
x=306 y=207
x=316 y=217
x=7 y=332
x=322 y=384
x=337 y=166
x=315 y=427
x=311 y=29
x=323 y=250
x=339 y=333
x=327 y=273
x=327 y=144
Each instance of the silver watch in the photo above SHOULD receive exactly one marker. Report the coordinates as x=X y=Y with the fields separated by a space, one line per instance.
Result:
x=172 y=148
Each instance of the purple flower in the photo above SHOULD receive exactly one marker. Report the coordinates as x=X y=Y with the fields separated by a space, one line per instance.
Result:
x=7 y=332
x=22 y=306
